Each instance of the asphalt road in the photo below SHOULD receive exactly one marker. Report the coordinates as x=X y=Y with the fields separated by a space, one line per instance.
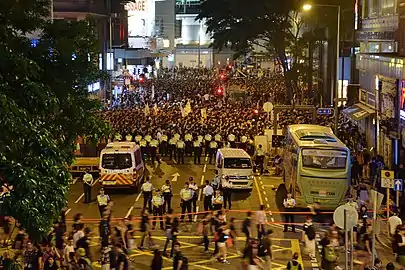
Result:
x=265 y=192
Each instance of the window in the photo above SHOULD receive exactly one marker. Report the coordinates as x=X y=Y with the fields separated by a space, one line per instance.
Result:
x=138 y=157
x=116 y=161
x=374 y=8
x=388 y=7
x=365 y=8
x=237 y=163
x=324 y=159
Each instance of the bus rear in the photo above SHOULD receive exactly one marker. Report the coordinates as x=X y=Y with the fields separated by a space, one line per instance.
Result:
x=323 y=176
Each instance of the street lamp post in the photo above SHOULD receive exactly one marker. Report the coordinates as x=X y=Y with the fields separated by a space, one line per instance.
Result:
x=308 y=7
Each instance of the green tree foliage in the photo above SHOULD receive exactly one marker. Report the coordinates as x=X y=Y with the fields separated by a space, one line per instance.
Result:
x=271 y=25
x=44 y=107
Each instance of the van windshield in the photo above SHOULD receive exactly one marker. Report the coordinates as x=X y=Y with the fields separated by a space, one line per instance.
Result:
x=237 y=163
x=116 y=161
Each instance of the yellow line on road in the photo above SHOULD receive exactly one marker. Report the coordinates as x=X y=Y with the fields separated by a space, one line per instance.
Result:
x=295 y=247
x=258 y=191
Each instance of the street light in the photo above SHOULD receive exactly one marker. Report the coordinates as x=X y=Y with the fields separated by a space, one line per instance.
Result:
x=307 y=7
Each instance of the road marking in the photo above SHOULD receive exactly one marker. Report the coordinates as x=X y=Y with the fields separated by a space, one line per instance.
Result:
x=139 y=195
x=129 y=211
x=199 y=195
x=75 y=180
x=261 y=182
x=95 y=182
x=258 y=191
x=195 y=216
x=270 y=186
x=295 y=247
x=67 y=211
x=202 y=180
x=78 y=199
x=205 y=168
x=174 y=161
x=265 y=194
x=266 y=199
x=206 y=159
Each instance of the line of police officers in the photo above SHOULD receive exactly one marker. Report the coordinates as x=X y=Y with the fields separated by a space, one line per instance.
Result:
x=192 y=145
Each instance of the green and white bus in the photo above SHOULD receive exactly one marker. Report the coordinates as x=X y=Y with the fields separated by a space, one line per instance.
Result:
x=316 y=166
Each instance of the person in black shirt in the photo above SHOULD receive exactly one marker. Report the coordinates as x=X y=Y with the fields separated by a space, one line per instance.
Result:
x=84 y=242
x=157 y=261
x=144 y=228
x=246 y=227
x=122 y=260
x=179 y=261
x=398 y=245
x=104 y=228
x=251 y=254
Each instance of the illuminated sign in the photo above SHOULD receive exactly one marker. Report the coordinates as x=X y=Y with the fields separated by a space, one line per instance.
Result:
x=141 y=22
x=139 y=5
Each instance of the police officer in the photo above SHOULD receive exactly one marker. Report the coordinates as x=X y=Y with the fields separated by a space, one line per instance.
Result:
x=212 y=150
x=194 y=187
x=200 y=139
x=260 y=158
x=227 y=192
x=197 y=151
x=243 y=142
x=186 y=195
x=153 y=150
x=231 y=139
x=172 y=148
x=180 y=151
x=207 y=139
x=128 y=138
x=102 y=200
x=218 y=139
x=227 y=145
x=143 y=144
x=146 y=189
x=87 y=184
x=163 y=145
x=217 y=200
x=167 y=196
x=148 y=139
x=208 y=191
x=188 y=138
x=157 y=202
x=176 y=136
x=118 y=137
x=138 y=139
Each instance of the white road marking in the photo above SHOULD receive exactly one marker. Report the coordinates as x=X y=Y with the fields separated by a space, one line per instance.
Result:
x=202 y=180
x=261 y=182
x=265 y=193
x=270 y=186
x=137 y=197
x=80 y=197
x=265 y=198
x=205 y=168
x=199 y=194
x=75 y=180
x=129 y=211
x=67 y=211
x=268 y=205
x=206 y=158
x=195 y=216
x=174 y=161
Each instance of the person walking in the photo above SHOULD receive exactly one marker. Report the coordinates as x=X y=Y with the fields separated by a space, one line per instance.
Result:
x=87 y=185
x=102 y=200
x=247 y=227
x=157 y=260
x=208 y=191
x=260 y=221
x=308 y=237
x=289 y=205
x=146 y=189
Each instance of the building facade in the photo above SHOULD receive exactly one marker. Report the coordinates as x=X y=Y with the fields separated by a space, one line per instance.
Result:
x=381 y=73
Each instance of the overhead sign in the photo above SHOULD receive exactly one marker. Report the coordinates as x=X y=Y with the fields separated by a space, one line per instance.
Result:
x=387 y=183
x=345 y=213
x=398 y=184
x=139 y=5
x=268 y=107
x=387 y=174
x=326 y=111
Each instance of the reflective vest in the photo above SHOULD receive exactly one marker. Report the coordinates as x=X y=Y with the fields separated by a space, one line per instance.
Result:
x=177 y=136
x=163 y=138
x=196 y=143
x=213 y=145
x=260 y=152
x=154 y=143
x=186 y=194
x=180 y=144
x=218 y=199
x=147 y=187
x=231 y=138
x=166 y=189
x=208 y=137
x=200 y=138
x=172 y=141
x=218 y=138
x=143 y=143
x=244 y=139
x=188 y=137
x=102 y=199
x=88 y=179
x=148 y=138
x=118 y=137
x=157 y=200
x=138 y=138
x=128 y=138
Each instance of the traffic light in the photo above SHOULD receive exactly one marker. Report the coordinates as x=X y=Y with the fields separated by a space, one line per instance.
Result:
x=141 y=79
x=256 y=112
x=222 y=76
x=220 y=91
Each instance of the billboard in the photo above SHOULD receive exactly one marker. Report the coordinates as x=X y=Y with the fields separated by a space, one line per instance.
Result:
x=141 y=22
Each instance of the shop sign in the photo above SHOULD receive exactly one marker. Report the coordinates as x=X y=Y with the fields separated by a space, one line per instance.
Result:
x=371 y=99
x=387 y=106
x=402 y=101
x=363 y=96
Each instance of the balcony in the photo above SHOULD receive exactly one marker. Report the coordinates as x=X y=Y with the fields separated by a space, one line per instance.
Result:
x=80 y=6
x=189 y=8
x=386 y=65
x=388 y=22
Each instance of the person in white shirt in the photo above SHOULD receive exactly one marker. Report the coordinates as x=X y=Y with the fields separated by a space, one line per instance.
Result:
x=217 y=200
x=227 y=192
x=68 y=249
x=87 y=185
x=393 y=222
x=260 y=221
x=79 y=234
x=146 y=189
x=289 y=205
x=194 y=187
x=208 y=191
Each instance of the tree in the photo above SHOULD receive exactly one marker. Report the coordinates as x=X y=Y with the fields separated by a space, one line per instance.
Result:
x=268 y=24
x=44 y=107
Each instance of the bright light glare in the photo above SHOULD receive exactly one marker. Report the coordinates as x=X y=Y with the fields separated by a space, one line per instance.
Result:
x=306 y=7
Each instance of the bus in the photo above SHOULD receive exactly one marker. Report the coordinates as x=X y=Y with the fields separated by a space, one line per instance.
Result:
x=316 y=166
x=121 y=166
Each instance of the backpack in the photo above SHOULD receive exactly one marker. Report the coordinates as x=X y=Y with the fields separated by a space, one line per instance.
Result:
x=311 y=232
x=245 y=226
x=330 y=255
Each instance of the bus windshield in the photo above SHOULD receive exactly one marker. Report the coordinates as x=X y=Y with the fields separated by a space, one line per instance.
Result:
x=116 y=161
x=237 y=163
x=324 y=159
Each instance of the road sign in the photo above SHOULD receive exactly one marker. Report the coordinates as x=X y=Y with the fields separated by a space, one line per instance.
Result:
x=326 y=111
x=352 y=217
x=268 y=107
x=387 y=183
x=398 y=184
x=387 y=174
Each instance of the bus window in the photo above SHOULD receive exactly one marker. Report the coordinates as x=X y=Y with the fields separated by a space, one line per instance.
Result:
x=116 y=161
x=237 y=163
x=324 y=159
x=138 y=157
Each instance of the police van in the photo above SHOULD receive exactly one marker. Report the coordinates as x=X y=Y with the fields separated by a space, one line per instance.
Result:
x=121 y=166
x=237 y=165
